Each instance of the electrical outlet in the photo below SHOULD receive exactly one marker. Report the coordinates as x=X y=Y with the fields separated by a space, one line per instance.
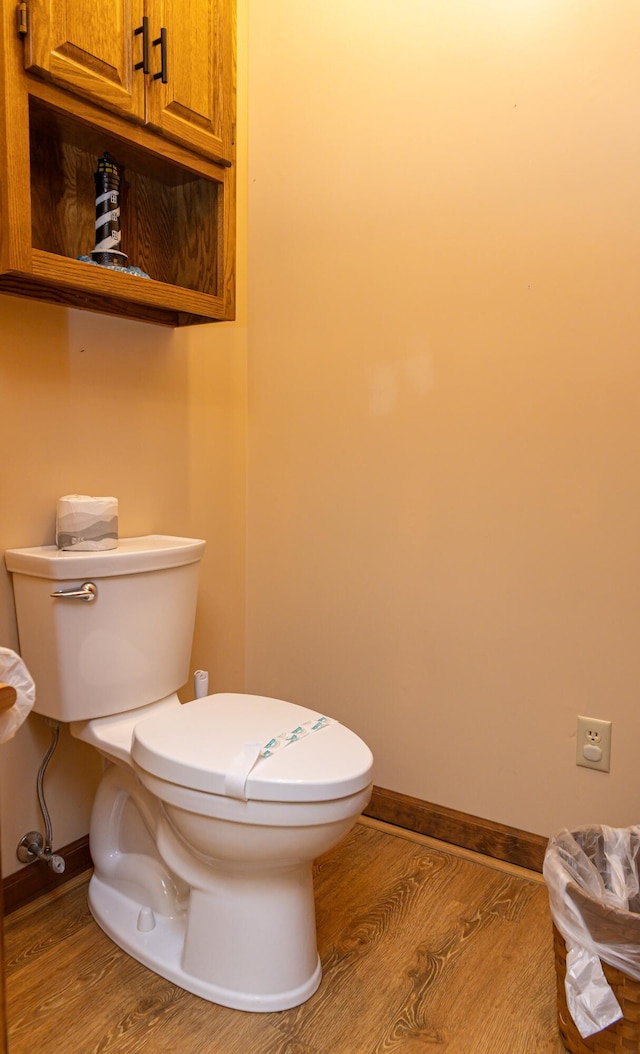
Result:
x=593 y=743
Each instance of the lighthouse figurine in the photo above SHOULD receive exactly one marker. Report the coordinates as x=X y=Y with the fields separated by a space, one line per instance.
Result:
x=107 y=250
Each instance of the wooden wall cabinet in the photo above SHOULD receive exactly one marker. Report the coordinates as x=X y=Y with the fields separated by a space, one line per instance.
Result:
x=69 y=91
x=99 y=51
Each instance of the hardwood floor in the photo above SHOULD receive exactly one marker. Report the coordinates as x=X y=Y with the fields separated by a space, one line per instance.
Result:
x=424 y=948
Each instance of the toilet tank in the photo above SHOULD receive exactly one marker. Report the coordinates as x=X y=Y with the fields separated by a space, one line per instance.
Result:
x=128 y=646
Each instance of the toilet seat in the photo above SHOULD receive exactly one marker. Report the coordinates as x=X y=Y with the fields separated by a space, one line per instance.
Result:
x=195 y=746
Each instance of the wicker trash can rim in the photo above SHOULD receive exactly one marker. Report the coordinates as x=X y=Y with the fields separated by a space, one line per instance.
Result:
x=587 y=870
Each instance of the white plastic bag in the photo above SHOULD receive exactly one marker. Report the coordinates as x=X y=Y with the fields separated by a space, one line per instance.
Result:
x=14 y=672
x=593 y=872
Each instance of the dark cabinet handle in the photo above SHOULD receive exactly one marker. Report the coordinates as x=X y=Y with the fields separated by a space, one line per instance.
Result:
x=162 y=41
x=144 y=29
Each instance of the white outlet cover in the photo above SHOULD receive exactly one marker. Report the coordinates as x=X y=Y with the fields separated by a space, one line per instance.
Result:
x=593 y=743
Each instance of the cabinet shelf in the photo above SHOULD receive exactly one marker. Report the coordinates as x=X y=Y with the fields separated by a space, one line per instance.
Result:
x=60 y=280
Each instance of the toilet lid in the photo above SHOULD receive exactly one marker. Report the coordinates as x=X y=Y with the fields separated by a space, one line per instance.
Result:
x=198 y=744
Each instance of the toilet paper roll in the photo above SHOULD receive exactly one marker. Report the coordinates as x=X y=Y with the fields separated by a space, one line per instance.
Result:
x=14 y=672
x=87 y=524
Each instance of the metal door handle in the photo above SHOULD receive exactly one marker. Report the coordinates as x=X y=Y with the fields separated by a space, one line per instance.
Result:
x=87 y=591
x=162 y=41
x=144 y=29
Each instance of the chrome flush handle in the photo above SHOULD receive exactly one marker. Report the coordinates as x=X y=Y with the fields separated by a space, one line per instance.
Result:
x=87 y=591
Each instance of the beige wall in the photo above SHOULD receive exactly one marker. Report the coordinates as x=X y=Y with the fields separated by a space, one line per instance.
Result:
x=444 y=390
x=157 y=417
x=101 y=406
x=443 y=407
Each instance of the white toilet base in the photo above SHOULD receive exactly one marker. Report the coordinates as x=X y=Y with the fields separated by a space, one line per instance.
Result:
x=221 y=905
x=237 y=934
x=160 y=944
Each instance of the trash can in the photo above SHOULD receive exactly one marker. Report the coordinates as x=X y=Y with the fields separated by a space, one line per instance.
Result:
x=592 y=877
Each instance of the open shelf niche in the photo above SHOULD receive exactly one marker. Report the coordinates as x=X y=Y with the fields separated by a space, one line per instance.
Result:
x=173 y=220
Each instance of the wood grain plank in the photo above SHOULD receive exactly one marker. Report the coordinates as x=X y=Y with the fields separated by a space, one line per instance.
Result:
x=32 y=881
x=3 y=995
x=459 y=828
x=422 y=949
x=15 y=201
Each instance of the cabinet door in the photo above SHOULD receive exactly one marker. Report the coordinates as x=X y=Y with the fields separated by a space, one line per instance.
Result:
x=196 y=105
x=90 y=48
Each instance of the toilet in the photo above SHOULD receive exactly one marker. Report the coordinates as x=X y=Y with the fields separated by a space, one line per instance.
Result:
x=209 y=814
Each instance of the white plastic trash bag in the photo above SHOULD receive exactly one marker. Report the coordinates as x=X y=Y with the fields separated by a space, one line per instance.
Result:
x=14 y=672
x=594 y=895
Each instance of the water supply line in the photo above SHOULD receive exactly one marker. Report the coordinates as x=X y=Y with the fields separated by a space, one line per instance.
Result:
x=33 y=846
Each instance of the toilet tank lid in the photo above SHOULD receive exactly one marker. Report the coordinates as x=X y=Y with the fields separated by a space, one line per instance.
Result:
x=152 y=552
x=196 y=745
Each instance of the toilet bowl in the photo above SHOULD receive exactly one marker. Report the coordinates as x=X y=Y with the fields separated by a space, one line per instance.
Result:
x=209 y=814
x=211 y=890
